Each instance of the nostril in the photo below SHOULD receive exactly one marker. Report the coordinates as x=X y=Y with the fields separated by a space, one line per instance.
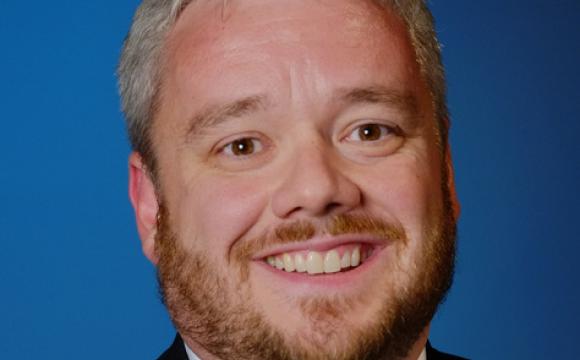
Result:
x=328 y=209
x=332 y=207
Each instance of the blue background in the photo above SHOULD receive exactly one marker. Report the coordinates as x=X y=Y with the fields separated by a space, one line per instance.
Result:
x=75 y=285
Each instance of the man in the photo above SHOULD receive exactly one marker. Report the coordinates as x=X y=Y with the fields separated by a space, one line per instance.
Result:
x=291 y=176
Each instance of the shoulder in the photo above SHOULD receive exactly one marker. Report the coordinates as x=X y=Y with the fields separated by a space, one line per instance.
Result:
x=176 y=351
x=434 y=354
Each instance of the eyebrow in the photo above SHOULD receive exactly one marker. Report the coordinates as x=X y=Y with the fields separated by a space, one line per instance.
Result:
x=214 y=115
x=406 y=102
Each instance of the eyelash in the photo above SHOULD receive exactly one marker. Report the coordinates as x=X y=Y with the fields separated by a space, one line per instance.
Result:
x=255 y=145
x=386 y=131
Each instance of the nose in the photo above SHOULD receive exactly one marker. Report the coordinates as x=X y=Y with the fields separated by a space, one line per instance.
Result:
x=314 y=186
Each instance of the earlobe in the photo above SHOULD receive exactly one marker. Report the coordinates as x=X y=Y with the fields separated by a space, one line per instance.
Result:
x=144 y=200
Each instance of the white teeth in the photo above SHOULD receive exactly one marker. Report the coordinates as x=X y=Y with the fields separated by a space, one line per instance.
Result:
x=317 y=263
x=300 y=263
x=355 y=257
x=345 y=261
x=288 y=263
x=279 y=263
x=332 y=262
x=314 y=263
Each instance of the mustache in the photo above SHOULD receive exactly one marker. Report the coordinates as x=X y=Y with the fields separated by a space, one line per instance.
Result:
x=303 y=230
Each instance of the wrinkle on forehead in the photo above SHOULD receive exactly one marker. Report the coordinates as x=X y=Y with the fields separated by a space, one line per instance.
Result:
x=296 y=49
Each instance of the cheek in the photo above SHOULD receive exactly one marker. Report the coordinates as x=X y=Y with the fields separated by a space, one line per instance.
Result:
x=215 y=211
x=408 y=189
x=408 y=193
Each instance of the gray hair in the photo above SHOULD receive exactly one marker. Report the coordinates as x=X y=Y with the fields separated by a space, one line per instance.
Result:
x=140 y=68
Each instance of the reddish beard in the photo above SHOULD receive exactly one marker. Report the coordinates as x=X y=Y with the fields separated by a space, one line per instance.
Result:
x=232 y=327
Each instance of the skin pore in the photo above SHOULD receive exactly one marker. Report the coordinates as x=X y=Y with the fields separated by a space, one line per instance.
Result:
x=295 y=126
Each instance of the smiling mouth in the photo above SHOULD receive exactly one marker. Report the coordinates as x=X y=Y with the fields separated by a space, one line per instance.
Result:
x=340 y=259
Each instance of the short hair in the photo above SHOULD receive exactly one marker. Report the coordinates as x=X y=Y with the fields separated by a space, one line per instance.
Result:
x=141 y=65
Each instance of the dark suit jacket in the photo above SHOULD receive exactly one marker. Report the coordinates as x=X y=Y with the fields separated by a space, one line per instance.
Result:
x=177 y=352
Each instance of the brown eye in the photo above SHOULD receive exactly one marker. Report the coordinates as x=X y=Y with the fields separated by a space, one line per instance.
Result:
x=243 y=147
x=369 y=132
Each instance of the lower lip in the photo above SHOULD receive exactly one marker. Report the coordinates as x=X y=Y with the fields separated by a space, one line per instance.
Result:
x=336 y=279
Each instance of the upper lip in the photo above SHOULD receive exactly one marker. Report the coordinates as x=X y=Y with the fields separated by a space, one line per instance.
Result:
x=322 y=243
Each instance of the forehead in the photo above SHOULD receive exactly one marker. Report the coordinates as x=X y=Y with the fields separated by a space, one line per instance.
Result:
x=246 y=46
x=207 y=22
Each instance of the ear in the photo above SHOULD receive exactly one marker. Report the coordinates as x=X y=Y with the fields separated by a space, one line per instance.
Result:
x=144 y=200
x=455 y=206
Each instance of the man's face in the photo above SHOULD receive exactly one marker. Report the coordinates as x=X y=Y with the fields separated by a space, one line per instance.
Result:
x=300 y=181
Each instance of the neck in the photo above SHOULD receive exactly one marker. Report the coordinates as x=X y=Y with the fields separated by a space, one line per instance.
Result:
x=413 y=353
x=419 y=345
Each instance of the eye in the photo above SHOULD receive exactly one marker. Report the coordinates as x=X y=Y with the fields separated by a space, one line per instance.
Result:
x=243 y=147
x=370 y=132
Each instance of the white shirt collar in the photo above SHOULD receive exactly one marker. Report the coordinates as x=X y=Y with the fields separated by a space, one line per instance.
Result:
x=423 y=355
x=191 y=355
